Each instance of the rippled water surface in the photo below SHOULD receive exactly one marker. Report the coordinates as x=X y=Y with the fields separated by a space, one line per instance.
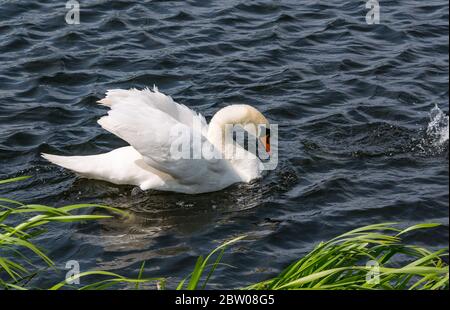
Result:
x=362 y=113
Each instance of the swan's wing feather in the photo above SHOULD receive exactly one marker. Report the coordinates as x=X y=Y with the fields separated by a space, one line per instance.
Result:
x=150 y=131
x=155 y=99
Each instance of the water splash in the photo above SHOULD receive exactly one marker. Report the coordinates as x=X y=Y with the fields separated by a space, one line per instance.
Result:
x=435 y=140
x=437 y=130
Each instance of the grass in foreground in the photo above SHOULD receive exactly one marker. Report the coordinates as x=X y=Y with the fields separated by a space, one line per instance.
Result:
x=339 y=263
x=16 y=268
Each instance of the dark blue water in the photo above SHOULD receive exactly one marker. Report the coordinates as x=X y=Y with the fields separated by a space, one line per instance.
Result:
x=360 y=139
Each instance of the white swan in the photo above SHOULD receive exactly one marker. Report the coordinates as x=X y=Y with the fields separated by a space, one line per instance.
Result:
x=144 y=119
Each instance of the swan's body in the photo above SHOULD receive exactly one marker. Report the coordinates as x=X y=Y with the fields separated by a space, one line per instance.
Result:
x=144 y=119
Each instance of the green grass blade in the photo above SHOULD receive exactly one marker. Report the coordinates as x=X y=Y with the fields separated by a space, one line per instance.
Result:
x=418 y=226
x=196 y=274
x=25 y=177
x=141 y=271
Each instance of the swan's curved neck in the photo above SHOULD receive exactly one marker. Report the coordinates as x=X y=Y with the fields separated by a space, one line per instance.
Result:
x=216 y=135
x=217 y=129
x=223 y=121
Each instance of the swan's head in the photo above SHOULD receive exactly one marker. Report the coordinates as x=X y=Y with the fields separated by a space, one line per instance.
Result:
x=244 y=115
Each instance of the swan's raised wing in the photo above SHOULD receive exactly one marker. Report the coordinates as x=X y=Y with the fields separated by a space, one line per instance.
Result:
x=153 y=129
x=155 y=99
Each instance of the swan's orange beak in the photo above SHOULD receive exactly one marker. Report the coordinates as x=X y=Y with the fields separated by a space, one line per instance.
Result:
x=266 y=142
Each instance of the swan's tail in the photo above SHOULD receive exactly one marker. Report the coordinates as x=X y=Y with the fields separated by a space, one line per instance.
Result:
x=120 y=166
x=79 y=164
